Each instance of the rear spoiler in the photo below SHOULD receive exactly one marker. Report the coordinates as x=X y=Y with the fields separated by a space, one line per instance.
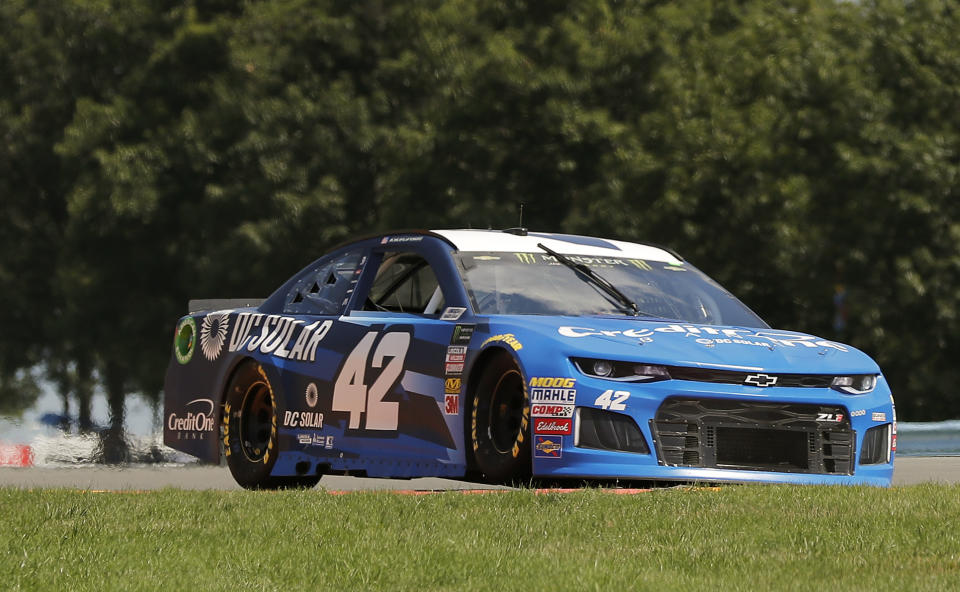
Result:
x=207 y=304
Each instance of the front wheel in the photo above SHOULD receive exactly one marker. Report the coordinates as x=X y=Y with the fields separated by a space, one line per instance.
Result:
x=500 y=422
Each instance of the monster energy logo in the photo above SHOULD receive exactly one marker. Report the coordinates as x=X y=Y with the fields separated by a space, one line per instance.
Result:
x=527 y=258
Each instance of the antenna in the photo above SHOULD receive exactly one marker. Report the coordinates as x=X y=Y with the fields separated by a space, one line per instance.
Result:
x=519 y=230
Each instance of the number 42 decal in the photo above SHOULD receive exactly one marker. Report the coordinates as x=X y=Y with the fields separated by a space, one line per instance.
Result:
x=613 y=400
x=350 y=392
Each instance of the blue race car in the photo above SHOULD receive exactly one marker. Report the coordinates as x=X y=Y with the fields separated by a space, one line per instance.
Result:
x=506 y=355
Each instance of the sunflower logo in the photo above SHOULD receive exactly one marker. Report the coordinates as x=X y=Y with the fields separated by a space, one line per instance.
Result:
x=213 y=334
x=312 y=395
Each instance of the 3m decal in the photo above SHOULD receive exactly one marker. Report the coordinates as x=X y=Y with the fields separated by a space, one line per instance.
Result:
x=451 y=386
x=276 y=336
x=196 y=423
x=350 y=392
x=312 y=395
x=451 y=404
x=507 y=338
x=452 y=313
x=213 y=334
x=543 y=425
x=613 y=400
x=548 y=446
x=184 y=339
x=545 y=410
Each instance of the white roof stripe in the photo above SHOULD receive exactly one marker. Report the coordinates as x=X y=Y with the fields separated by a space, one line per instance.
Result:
x=497 y=241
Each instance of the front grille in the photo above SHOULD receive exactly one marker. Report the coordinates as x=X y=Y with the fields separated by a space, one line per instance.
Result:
x=743 y=434
x=739 y=377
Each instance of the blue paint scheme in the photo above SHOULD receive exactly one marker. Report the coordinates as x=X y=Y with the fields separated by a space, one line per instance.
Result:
x=429 y=441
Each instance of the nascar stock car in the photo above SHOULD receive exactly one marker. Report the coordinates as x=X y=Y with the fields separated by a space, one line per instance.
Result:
x=507 y=355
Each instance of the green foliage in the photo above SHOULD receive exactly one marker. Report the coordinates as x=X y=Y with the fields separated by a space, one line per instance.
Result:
x=159 y=151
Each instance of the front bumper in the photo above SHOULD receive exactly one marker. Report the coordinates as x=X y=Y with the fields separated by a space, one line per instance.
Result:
x=733 y=433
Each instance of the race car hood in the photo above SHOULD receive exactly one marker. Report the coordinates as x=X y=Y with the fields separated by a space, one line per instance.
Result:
x=676 y=343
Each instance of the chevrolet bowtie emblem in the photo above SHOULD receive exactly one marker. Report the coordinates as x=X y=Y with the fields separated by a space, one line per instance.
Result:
x=760 y=380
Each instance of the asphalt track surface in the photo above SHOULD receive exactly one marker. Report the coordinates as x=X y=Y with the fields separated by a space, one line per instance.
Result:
x=910 y=470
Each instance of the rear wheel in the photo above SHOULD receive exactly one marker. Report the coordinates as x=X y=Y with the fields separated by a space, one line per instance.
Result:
x=250 y=440
x=500 y=422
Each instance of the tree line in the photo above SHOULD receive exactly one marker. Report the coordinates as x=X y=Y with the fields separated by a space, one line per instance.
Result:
x=803 y=153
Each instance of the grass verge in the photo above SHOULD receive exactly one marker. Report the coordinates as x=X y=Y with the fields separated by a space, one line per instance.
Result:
x=734 y=538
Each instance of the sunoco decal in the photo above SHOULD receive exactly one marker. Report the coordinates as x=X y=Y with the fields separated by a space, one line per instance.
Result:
x=548 y=446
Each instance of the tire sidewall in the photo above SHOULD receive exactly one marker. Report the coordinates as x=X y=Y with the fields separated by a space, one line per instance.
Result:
x=515 y=463
x=250 y=474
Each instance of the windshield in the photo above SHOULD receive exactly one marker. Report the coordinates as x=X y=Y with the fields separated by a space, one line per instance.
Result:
x=536 y=283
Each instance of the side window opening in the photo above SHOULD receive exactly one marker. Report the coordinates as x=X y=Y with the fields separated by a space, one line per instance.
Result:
x=405 y=282
x=325 y=289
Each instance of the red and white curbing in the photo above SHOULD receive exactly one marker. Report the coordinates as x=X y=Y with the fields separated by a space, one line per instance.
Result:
x=16 y=455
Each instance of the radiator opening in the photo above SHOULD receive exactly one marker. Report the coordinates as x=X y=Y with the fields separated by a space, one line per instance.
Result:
x=760 y=448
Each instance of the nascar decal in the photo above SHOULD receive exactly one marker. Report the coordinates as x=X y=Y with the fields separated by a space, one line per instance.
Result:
x=553 y=390
x=507 y=338
x=711 y=335
x=548 y=446
x=284 y=337
x=213 y=334
x=549 y=425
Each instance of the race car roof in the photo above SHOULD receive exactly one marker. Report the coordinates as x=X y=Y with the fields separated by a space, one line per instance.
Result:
x=566 y=244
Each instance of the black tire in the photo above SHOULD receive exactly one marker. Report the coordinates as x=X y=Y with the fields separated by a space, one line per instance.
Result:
x=500 y=422
x=249 y=427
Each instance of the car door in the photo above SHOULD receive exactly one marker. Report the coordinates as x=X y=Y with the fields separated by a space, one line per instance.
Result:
x=383 y=395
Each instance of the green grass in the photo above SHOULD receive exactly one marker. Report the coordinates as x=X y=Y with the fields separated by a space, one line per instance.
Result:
x=734 y=538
